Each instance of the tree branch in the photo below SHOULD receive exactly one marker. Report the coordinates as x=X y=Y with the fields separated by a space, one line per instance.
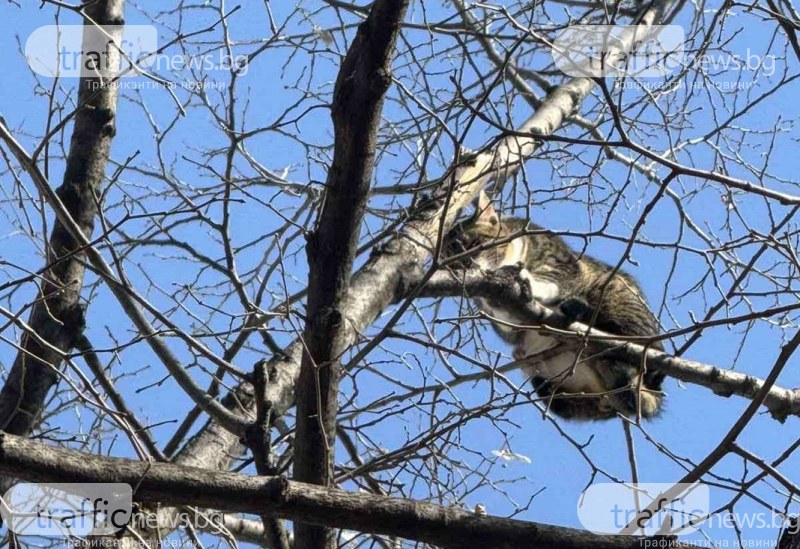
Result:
x=380 y=281
x=57 y=316
x=174 y=485
x=364 y=77
x=503 y=286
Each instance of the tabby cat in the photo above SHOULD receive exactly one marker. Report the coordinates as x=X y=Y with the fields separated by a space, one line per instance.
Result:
x=575 y=386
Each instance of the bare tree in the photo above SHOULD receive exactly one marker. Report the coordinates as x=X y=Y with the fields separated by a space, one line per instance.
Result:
x=241 y=278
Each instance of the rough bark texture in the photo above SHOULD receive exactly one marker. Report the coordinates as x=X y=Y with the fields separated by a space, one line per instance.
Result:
x=364 y=78
x=172 y=484
x=57 y=316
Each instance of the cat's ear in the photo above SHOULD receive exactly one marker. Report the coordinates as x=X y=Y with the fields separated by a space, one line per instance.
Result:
x=486 y=212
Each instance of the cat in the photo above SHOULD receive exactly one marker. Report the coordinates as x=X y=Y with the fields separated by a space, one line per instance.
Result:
x=579 y=387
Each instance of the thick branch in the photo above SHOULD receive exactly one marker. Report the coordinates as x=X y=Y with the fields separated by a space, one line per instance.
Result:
x=503 y=286
x=381 y=280
x=378 y=283
x=175 y=485
x=364 y=78
x=57 y=316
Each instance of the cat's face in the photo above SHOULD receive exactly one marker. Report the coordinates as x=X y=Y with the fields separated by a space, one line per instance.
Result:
x=480 y=240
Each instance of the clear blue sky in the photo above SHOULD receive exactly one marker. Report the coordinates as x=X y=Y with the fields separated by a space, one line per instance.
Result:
x=694 y=420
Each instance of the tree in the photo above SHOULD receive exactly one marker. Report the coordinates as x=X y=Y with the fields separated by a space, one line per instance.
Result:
x=240 y=278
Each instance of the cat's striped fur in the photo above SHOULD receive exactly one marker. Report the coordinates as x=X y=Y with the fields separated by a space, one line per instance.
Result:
x=577 y=387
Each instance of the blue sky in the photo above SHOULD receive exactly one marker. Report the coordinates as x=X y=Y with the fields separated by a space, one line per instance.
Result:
x=693 y=421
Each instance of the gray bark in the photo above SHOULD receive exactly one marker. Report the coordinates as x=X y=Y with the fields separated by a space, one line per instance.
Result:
x=176 y=485
x=364 y=77
x=57 y=316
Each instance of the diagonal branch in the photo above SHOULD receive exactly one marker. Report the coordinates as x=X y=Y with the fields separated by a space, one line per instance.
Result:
x=780 y=402
x=57 y=316
x=380 y=281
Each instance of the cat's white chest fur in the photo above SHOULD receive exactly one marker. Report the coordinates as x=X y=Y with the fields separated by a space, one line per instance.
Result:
x=542 y=291
x=561 y=368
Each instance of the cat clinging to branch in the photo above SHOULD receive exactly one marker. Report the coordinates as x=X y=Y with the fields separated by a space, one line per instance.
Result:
x=576 y=385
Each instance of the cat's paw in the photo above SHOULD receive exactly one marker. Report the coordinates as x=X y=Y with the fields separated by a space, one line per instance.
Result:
x=541 y=385
x=575 y=309
x=520 y=275
x=509 y=271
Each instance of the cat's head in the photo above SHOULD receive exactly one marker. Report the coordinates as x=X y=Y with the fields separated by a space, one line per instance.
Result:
x=481 y=240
